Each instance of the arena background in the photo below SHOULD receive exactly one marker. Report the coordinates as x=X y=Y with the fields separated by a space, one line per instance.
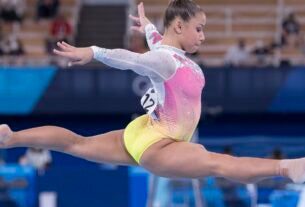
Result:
x=251 y=107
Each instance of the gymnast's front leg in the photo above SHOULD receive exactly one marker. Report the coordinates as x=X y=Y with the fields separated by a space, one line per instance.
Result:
x=170 y=158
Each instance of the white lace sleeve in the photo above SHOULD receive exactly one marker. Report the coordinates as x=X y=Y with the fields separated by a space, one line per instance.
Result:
x=155 y=64
x=153 y=37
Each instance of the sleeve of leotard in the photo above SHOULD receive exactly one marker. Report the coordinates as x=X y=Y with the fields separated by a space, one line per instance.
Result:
x=153 y=37
x=154 y=64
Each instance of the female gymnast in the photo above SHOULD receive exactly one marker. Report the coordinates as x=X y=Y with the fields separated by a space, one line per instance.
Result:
x=158 y=140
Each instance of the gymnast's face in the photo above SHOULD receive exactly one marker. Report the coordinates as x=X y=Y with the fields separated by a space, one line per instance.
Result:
x=192 y=35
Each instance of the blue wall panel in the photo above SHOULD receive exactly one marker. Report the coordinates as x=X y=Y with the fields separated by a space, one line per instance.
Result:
x=291 y=95
x=21 y=88
x=109 y=91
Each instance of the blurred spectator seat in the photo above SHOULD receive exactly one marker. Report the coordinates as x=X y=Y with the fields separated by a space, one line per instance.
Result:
x=228 y=21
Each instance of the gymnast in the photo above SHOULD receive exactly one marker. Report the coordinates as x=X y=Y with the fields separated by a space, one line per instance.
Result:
x=159 y=141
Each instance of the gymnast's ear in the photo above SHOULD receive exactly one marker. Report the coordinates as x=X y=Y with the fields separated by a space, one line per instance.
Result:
x=178 y=25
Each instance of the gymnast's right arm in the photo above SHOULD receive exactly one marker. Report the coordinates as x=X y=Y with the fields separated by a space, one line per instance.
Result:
x=154 y=64
x=157 y=64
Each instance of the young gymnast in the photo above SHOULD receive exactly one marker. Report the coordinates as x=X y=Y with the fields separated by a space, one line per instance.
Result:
x=158 y=140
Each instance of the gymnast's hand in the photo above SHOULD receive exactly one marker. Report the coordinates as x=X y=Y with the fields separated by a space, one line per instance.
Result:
x=77 y=55
x=141 y=21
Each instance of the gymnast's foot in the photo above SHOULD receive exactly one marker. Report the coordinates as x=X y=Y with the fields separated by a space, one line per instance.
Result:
x=5 y=134
x=294 y=169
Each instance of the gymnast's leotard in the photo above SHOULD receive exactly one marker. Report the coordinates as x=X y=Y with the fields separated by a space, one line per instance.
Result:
x=173 y=104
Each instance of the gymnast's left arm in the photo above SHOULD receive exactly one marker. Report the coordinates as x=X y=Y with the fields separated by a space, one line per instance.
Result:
x=143 y=25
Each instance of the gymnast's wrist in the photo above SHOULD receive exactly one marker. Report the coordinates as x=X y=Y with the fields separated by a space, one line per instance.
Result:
x=98 y=52
x=149 y=27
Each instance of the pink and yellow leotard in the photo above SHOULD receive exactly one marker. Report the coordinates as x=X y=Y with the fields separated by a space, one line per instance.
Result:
x=174 y=101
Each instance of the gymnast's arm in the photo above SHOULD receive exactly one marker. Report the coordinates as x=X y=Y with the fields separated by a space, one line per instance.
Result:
x=154 y=64
x=157 y=64
x=153 y=37
x=143 y=25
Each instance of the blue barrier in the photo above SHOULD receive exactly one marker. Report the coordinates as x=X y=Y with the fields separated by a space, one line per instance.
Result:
x=21 y=184
x=284 y=198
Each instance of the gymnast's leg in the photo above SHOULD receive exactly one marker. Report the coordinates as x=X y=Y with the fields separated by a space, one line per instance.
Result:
x=106 y=148
x=182 y=159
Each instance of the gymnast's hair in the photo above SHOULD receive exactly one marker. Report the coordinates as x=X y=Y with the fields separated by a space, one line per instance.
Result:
x=185 y=9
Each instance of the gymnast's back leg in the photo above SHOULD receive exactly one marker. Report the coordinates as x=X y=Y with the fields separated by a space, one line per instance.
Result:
x=103 y=148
